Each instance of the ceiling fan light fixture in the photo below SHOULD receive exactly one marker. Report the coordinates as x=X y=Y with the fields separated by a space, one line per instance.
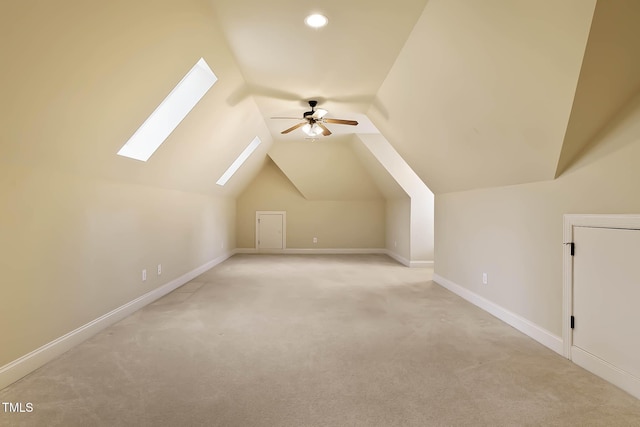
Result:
x=312 y=130
x=316 y=20
x=315 y=120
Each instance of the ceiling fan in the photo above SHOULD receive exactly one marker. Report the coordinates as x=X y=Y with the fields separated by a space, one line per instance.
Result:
x=314 y=120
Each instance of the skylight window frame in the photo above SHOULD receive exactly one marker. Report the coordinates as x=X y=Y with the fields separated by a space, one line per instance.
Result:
x=239 y=161
x=170 y=113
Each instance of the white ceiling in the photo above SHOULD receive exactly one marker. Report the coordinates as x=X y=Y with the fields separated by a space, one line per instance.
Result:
x=285 y=63
x=481 y=93
x=471 y=94
x=609 y=78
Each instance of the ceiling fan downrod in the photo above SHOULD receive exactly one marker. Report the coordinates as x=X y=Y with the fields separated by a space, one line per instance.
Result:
x=312 y=104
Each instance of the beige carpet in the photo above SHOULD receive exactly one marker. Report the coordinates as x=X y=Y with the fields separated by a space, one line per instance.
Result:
x=314 y=341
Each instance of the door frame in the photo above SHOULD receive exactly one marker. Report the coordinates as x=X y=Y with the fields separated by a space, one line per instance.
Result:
x=631 y=222
x=284 y=229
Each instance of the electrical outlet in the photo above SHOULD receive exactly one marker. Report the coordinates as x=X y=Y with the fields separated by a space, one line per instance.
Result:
x=159 y=269
x=315 y=240
x=144 y=274
x=485 y=279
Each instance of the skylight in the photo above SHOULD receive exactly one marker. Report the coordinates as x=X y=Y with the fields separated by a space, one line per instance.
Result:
x=171 y=111
x=239 y=161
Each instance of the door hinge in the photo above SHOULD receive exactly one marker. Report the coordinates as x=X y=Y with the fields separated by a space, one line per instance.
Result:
x=573 y=322
x=572 y=248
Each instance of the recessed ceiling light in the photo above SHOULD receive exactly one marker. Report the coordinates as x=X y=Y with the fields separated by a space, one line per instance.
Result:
x=316 y=20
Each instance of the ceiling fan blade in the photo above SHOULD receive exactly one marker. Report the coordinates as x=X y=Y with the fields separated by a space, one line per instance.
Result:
x=291 y=118
x=325 y=131
x=342 y=122
x=292 y=128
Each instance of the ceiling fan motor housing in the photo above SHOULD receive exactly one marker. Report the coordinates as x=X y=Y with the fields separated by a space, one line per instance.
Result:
x=312 y=104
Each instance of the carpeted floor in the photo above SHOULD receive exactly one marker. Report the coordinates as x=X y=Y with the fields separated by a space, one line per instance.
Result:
x=354 y=340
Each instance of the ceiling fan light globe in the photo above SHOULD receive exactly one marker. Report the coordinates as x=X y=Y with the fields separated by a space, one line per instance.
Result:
x=321 y=112
x=312 y=130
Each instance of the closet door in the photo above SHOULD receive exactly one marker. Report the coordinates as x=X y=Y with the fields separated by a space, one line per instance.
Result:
x=606 y=304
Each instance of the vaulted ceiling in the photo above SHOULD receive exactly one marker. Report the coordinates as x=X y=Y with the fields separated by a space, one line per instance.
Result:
x=609 y=78
x=481 y=93
x=342 y=65
x=472 y=94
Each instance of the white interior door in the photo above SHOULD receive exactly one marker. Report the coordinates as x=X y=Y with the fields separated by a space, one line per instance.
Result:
x=606 y=299
x=270 y=230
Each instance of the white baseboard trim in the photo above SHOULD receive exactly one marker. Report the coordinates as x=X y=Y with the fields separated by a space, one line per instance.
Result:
x=603 y=369
x=400 y=259
x=421 y=264
x=28 y=363
x=312 y=251
x=412 y=264
x=245 y=251
x=525 y=326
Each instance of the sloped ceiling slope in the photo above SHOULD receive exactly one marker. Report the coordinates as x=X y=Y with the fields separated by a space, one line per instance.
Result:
x=286 y=63
x=325 y=170
x=80 y=77
x=387 y=185
x=609 y=78
x=481 y=93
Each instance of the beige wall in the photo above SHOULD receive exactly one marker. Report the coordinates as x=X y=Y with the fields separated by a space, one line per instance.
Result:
x=515 y=233
x=336 y=224
x=73 y=249
x=330 y=170
x=422 y=199
x=398 y=203
x=398 y=226
x=79 y=223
